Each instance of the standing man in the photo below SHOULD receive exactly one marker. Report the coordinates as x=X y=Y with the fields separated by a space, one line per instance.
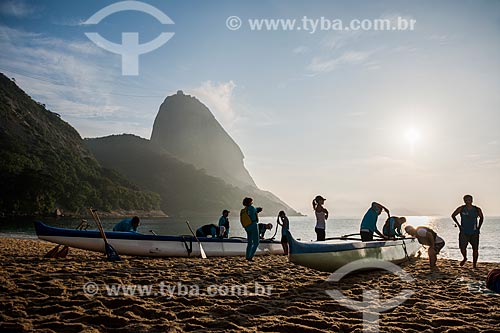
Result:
x=369 y=222
x=224 y=222
x=469 y=228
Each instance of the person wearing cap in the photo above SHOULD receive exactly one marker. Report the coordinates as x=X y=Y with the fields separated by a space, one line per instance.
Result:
x=224 y=222
x=369 y=223
x=263 y=227
x=321 y=217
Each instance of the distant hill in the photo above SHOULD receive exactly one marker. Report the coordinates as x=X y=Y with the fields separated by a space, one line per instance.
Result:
x=184 y=189
x=192 y=167
x=45 y=164
x=187 y=129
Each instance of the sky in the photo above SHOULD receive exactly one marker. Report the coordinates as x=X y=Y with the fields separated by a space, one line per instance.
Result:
x=404 y=117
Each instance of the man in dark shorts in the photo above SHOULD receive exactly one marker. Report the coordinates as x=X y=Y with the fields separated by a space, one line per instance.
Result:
x=469 y=228
x=427 y=236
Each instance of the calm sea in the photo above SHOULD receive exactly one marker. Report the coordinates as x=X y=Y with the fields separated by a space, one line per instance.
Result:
x=301 y=227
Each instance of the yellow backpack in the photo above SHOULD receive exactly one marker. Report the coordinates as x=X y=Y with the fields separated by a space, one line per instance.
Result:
x=245 y=218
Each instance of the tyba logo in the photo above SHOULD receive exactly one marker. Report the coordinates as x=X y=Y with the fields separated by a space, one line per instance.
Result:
x=371 y=306
x=129 y=49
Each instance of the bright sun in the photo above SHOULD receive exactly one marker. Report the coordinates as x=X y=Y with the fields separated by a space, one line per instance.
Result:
x=412 y=135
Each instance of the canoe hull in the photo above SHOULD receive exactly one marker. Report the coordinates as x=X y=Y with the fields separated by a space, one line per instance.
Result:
x=330 y=256
x=134 y=244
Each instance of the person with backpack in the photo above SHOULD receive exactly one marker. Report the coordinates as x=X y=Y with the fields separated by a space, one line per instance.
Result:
x=249 y=219
x=427 y=236
x=469 y=228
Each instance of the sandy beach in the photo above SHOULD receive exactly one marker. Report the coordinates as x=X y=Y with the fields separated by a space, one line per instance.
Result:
x=72 y=295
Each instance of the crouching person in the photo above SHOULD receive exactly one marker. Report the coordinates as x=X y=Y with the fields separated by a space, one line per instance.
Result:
x=427 y=236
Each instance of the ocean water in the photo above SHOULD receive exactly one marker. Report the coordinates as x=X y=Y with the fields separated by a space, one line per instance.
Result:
x=302 y=227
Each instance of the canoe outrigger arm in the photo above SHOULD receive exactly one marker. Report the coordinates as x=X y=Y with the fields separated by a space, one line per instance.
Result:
x=189 y=248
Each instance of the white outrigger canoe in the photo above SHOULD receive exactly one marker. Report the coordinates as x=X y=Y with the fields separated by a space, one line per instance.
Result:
x=136 y=244
x=328 y=256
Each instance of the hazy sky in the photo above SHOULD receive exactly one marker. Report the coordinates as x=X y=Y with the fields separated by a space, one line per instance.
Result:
x=407 y=118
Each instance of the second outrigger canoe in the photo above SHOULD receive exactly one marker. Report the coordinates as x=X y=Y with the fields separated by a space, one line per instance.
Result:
x=136 y=244
x=328 y=256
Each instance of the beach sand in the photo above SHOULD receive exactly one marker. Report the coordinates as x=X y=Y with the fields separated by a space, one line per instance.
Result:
x=47 y=295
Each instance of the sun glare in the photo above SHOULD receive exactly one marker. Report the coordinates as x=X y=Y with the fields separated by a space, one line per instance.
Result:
x=412 y=135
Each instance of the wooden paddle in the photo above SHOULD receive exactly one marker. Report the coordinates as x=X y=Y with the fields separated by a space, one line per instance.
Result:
x=203 y=254
x=111 y=253
x=345 y=236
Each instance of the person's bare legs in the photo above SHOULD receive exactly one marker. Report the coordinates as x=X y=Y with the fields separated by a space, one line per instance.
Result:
x=285 y=247
x=475 y=249
x=464 y=254
x=475 y=255
x=432 y=257
x=463 y=249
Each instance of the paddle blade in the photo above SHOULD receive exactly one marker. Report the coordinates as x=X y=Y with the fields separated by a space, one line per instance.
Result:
x=63 y=253
x=111 y=253
x=203 y=254
x=52 y=253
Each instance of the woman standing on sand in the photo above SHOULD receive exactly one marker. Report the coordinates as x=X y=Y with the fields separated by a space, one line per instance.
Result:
x=321 y=217
x=285 y=226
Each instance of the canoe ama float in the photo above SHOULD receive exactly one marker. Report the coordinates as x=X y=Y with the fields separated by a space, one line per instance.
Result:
x=328 y=256
x=136 y=244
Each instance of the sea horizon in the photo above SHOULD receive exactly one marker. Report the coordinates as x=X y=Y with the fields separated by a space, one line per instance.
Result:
x=302 y=227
